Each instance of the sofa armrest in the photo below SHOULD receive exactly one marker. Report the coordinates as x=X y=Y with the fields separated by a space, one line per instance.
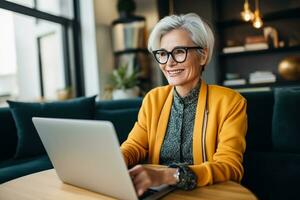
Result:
x=8 y=134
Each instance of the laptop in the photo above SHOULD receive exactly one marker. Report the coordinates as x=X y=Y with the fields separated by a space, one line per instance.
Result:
x=86 y=153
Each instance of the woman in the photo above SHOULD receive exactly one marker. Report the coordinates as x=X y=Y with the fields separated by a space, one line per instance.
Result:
x=195 y=129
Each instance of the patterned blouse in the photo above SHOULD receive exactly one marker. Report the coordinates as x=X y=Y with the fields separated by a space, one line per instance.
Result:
x=177 y=147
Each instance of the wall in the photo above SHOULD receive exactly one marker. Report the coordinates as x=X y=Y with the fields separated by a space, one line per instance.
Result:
x=105 y=13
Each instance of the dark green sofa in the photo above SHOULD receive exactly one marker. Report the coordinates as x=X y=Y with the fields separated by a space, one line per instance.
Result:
x=272 y=158
x=271 y=161
x=122 y=113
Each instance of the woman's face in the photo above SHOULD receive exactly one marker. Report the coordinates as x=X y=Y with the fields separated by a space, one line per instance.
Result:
x=184 y=76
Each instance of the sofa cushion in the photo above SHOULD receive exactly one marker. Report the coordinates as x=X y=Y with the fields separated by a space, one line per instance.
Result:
x=29 y=143
x=272 y=175
x=16 y=168
x=259 y=111
x=286 y=120
x=122 y=119
x=8 y=134
x=119 y=104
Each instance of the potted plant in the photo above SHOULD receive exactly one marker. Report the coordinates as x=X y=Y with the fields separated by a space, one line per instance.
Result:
x=64 y=93
x=125 y=83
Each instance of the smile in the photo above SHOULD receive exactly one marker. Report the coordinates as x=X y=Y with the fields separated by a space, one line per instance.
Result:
x=175 y=72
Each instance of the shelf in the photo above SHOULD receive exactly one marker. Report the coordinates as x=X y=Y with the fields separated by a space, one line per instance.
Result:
x=284 y=14
x=264 y=51
x=243 y=62
x=272 y=85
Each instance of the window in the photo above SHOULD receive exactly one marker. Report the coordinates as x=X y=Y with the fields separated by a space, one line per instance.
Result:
x=63 y=8
x=35 y=53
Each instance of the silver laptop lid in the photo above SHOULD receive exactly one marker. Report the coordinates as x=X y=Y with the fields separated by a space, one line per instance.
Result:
x=86 y=153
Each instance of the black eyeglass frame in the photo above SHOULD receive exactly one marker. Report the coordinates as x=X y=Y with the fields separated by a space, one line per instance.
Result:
x=171 y=53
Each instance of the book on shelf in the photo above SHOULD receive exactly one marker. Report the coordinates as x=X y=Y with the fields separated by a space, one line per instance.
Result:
x=262 y=77
x=233 y=49
x=233 y=82
x=255 y=39
x=253 y=89
x=262 y=80
x=256 y=46
x=246 y=47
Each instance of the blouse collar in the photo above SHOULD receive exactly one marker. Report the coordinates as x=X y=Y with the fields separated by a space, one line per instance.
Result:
x=190 y=98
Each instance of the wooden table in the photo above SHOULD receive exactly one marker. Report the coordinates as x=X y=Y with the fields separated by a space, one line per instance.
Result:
x=46 y=185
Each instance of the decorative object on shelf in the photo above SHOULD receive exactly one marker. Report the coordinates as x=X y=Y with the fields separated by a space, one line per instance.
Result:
x=126 y=7
x=247 y=14
x=125 y=93
x=289 y=68
x=257 y=20
x=262 y=77
x=294 y=40
x=125 y=83
x=271 y=36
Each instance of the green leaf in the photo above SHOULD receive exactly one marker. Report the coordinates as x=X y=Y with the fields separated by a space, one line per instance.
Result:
x=122 y=78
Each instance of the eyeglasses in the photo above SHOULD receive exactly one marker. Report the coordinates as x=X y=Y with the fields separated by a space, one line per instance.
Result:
x=179 y=54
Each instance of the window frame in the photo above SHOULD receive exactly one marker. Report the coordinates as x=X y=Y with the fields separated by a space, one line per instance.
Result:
x=72 y=25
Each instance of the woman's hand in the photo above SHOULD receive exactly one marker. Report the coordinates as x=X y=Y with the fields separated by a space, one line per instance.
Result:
x=144 y=177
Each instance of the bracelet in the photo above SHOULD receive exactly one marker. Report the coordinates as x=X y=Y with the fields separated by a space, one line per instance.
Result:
x=177 y=175
x=187 y=179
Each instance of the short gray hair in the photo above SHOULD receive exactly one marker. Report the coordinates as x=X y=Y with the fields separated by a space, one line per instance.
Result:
x=200 y=32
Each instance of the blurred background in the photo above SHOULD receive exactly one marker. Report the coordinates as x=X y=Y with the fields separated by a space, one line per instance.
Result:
x=59 y=49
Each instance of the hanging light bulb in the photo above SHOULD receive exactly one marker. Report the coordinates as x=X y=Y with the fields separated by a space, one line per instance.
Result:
x=257 y=21
x=247 y=14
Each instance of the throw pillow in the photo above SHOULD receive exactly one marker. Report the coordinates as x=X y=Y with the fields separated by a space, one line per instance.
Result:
x=286 y=120
x=122 y=119
x=29 y=143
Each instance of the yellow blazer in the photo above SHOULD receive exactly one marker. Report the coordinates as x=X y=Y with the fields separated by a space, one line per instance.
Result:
x=224 y=139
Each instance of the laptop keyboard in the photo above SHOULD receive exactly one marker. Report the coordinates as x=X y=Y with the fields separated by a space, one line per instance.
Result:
x=147 y=193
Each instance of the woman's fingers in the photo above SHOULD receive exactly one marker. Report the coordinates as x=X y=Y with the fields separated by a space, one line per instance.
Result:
x=135 y=170
x=141 y=179
x=142 y=185
x=145 y=177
